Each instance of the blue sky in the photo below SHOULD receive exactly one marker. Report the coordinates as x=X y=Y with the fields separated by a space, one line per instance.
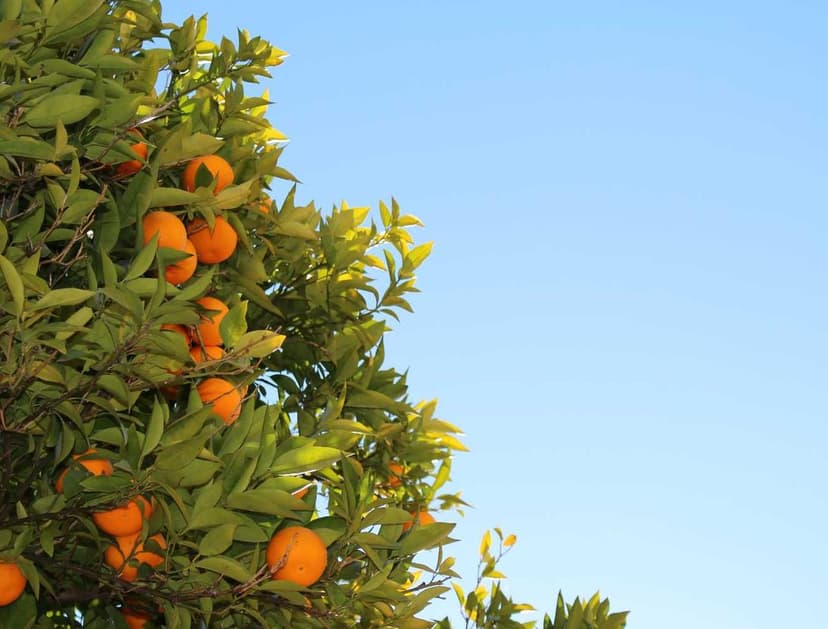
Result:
x=626 y=307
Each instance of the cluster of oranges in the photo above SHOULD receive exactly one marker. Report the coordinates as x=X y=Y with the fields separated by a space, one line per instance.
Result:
x=295 y=553
x=124 y=523
x=205 y=344
x=200 y=243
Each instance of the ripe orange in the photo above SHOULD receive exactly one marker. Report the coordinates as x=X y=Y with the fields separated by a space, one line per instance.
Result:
x=218 y=167
x=395 y=473
x=297 y=554
x=206 y=352
x=125 y=520
x=125 y=169
x=129 y=550
x=207 y=332
x=171 y=231
x=135 y=619
x=12 y=583
x=179 y=272
x=213 y=245
x=265 y=205
x=223 y=396
x=98 y=467
x=424 y=517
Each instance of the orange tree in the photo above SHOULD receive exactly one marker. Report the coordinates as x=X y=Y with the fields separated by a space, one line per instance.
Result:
x=197 y=427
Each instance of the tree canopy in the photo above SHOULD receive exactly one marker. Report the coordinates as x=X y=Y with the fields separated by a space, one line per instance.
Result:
x=197 y=424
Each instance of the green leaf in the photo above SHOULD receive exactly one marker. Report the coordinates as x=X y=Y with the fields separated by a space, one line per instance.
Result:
x=179 y=454
x=267 y=501
x=196 y=289
x=183 y=145
x=66 y=68
x=143 y=260
x=213 y=516
x=227 y=567
x=366 y=398
x=148 y=286
x=68 y=14
x=155 y=428
x=75 y=322
x=217 y=540
x=305 y=459
x=259 y=343
x=62 y=297
x=32 y=149
x=115 y=386
x=428 y=536
x=168 y=197
x=296 y=230
x=80 y=205
x=14 y=283
x=231 y=197
x=234 y=324
x=119 y=111
x=68 y=108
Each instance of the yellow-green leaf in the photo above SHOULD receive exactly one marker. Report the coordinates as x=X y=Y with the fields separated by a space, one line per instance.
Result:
x=305 y=459
x=259 y=343
x=14 y=283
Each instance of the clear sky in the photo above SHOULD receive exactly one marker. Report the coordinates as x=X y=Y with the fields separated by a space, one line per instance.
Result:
x=626 y=306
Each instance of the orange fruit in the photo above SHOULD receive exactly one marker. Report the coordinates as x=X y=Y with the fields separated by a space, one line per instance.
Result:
x=218 y=167
x=12 y=583
x=265 y=205
x=297 y=554
x=206 y=352
x=171 y=231
x=213 y=245
x=395 y=472
x=135 y=619
x=223 y=396
x=125 y=520
x=128 y=550
x=424 y=517
x=98 y=467
x=179 y=272
x=130 y=167
x=207 y=332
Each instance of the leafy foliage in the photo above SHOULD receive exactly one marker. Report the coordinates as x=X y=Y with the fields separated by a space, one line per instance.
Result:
x=488 y=607
x=85 y=363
